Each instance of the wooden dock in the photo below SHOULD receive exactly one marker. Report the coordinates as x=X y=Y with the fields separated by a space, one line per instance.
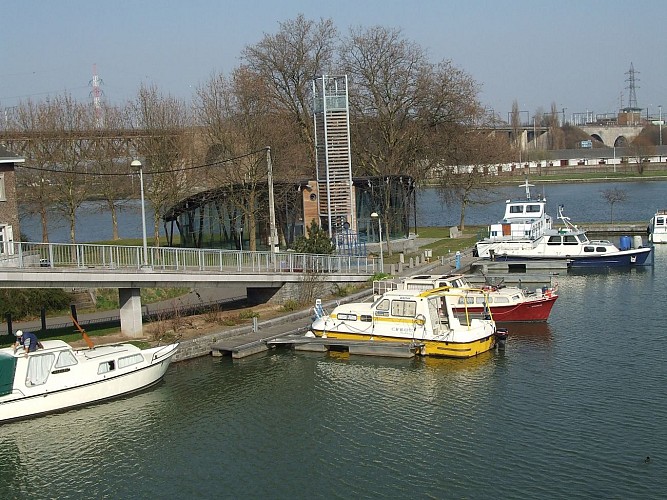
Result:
x=242 y=347
x=359 y=347
x=518 y=266
x=529 y=272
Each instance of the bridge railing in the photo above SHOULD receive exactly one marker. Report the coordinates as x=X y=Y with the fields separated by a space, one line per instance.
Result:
x=118 y=257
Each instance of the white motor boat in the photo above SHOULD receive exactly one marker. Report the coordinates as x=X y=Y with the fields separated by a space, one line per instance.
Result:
x=423 y=318
x=657 y=228
x=526 y=233
x=58 y=377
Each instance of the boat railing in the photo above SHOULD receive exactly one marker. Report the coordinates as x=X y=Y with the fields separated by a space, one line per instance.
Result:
x=164 y=351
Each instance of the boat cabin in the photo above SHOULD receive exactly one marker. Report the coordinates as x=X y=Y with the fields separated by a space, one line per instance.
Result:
x=657 y=229
x=523 y=220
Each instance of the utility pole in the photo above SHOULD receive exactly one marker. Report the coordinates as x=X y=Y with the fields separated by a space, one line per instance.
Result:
x=273 y=235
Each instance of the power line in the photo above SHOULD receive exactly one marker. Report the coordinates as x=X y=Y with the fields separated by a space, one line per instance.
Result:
x=150 y=172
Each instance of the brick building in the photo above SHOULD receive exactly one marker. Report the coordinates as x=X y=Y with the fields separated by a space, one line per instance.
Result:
x=9 y=215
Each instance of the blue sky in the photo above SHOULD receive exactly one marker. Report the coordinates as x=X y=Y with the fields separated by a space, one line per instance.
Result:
x=574 y=53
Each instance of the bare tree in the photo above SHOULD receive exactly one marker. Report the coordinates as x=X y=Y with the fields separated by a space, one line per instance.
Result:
x=473 y=158
x=403 y=107
x=109 y=155
x=161 y=120
x=67 y=119
x=287 y=62
x=34 y=180
x=612 y=196
x=641 y=148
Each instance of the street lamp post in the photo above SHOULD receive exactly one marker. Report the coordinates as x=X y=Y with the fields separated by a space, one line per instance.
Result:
x=136 y=164
x=375 y=215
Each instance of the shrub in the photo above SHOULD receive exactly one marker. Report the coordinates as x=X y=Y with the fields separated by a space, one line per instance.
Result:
x=28 y=303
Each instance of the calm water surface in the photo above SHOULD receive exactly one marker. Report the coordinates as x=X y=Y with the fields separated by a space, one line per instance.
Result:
x=583 y=203
x=570 y=409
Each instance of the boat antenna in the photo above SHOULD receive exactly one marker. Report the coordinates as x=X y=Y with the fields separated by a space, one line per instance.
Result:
x=527 y=186
x=566 y=220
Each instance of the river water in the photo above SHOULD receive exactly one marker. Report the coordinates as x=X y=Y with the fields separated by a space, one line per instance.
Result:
x=570 y=409
x=583 y=203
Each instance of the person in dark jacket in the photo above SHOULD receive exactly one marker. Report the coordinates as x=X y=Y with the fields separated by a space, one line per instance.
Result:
x=27 y=340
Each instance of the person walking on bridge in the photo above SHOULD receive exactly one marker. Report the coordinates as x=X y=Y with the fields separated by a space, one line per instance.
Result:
x=28 y=340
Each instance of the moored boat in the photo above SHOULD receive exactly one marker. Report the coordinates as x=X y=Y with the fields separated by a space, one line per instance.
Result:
x=526 y=233
x=58 y=377
x=657 y=227
x=426 y=318
x=507 y=304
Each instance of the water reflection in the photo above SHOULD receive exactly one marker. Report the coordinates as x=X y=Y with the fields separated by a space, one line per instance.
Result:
x=529 y=332
x=34 y=453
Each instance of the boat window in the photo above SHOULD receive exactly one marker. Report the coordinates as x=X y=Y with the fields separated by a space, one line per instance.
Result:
x=106 y=367
x=383 y=305
x=130 y=360
x=501 y=300
x=404 y=308
x=65 y=358
x=39 y=368
x=660 y=221
x=516 y=209
x=589 y=249
x=466 y=300
x=419 y=286
x=480 y=300
x=532 y=209
x=583 y=238
x=553 y=240
x=600 y=249
x=345 y=317
x=570 y=239
x=366 y=317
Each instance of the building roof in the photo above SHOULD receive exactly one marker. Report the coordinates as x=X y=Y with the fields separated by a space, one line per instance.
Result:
x=8 y=157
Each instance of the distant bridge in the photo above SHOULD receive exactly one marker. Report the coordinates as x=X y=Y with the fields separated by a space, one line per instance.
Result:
x=613 y=135
x=55 y=265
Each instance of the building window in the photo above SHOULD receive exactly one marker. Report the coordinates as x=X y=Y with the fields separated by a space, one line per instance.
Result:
x=2 y=188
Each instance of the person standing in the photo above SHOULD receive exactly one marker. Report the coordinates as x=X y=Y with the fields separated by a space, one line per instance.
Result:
x=28 y=340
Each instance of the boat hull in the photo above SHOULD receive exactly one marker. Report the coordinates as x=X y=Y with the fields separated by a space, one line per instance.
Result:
x=20 y=406
x=431 y=347
x=627 y=258
x=529 y=311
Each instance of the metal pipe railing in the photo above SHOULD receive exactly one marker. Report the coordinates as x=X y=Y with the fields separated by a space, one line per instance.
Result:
x=65 y=255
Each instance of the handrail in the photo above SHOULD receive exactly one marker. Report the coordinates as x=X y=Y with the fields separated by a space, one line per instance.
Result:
x=89 y=255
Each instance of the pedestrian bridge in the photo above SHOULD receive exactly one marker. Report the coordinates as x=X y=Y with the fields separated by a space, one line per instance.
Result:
x=128 y=268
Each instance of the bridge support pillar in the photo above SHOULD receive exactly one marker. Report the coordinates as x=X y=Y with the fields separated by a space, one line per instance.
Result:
x=130 y=312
